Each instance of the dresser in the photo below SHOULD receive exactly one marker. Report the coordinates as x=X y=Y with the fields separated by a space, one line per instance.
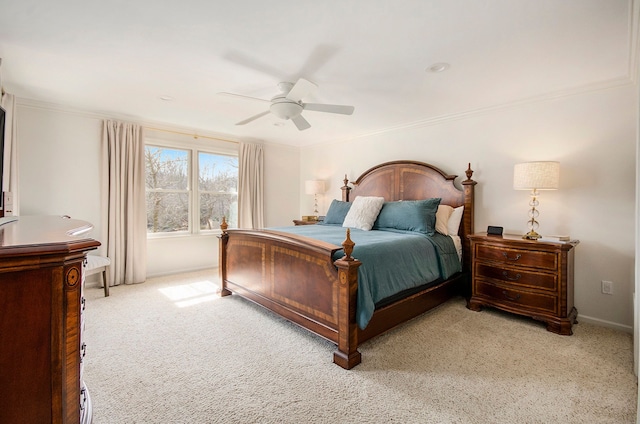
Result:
x=41 y=320
x=525 y=277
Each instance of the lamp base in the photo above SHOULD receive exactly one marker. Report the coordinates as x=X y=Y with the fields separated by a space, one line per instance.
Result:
x=531 y=235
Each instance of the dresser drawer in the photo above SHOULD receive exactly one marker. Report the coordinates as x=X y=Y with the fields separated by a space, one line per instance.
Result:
x=518 y=299
x=517 y=276
x=529 y=258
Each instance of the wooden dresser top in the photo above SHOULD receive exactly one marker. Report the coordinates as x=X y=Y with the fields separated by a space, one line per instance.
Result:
x=38 y=234
x=515 y=240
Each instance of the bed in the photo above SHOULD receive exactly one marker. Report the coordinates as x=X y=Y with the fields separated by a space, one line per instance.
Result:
x=314 y=283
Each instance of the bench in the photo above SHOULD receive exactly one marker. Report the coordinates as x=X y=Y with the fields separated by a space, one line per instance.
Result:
x=96 y=264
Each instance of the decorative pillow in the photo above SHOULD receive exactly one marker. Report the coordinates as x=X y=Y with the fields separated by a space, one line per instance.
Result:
x=454 y=220
x=337 y=212
x=442 y=219
x=363 y=212
x=409 y=215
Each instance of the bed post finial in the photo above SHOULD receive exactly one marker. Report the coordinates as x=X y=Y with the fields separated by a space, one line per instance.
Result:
x=348 y=244
x=469 y=172
x=345 y=189
x=224 y=225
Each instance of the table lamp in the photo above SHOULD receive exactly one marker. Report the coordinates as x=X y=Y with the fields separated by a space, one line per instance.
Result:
x=314 y=187
x=535 y=176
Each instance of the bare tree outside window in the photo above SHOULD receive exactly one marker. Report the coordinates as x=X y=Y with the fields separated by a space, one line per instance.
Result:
x=170 y=195
x=218 y=188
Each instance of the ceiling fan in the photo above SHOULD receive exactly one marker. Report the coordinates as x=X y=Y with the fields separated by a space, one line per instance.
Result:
x=288 y=104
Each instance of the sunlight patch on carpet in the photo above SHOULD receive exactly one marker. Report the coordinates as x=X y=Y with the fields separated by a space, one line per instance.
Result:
x=191 y=294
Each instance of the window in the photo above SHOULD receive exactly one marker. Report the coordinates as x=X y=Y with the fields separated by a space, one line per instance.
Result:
x=218 y=190
x=181 y=191
x=167 y=189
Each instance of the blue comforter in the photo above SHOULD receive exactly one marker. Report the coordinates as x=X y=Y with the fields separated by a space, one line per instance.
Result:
x=392 y=260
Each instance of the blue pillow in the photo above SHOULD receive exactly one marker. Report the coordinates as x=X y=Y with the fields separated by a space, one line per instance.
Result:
x=409 y=215
x=337 y=212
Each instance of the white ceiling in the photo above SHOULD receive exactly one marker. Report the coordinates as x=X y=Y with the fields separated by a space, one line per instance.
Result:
x=120 y=56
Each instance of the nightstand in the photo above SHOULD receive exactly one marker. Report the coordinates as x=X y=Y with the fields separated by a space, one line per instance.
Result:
x=525 y=277
x=301 y=222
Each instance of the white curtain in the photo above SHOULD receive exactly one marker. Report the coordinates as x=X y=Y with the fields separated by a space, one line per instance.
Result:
x=251 y=186
x=123 y=180
x=10 y=166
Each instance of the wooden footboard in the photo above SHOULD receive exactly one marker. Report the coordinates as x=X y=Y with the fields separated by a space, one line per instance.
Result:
x=296 y=278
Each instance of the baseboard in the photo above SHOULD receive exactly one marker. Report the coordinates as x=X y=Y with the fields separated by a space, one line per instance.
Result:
x=95 y=281
x=180 y=271
x=605 y=323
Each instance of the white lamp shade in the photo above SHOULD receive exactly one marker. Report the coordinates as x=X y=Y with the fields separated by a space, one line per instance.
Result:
x=314 y=187
x=536 y=175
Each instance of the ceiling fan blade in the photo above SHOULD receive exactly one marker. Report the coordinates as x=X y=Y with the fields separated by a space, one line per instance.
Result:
x=253 y=118
x=301 y=89
x=320 y=107
x=240 y=96
x=301 y=123
x=318 y=58
x=253 y=63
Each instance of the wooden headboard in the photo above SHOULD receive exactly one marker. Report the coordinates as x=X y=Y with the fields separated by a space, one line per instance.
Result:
x=411 y=180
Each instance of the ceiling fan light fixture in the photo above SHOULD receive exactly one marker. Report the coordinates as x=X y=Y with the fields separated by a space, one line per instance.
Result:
x=286 y=109
x=288 y=104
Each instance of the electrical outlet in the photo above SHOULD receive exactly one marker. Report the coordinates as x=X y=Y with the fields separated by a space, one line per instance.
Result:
x=607 y=287
x=8 y=203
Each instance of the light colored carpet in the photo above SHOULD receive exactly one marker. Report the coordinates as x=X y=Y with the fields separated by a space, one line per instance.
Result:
x=171 y=351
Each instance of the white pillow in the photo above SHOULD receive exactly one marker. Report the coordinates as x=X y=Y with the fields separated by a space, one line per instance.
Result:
x=363 y=213
x=454 y=220
x=442 y=218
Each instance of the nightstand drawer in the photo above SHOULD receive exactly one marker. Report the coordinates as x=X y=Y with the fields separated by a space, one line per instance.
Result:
x=530 y=258
x=517 y=276
x=519 y=299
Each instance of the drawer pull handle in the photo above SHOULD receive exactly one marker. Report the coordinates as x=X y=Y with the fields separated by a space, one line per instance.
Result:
x=505 y=274
x=518 y=256
x=513 y=299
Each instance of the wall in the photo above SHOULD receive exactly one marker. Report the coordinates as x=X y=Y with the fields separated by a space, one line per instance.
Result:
x=58 y=162
x=591 y=134
x=59 y=174
x=282 y=176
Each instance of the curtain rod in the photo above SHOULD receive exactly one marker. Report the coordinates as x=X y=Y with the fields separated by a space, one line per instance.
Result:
x=196 y=136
